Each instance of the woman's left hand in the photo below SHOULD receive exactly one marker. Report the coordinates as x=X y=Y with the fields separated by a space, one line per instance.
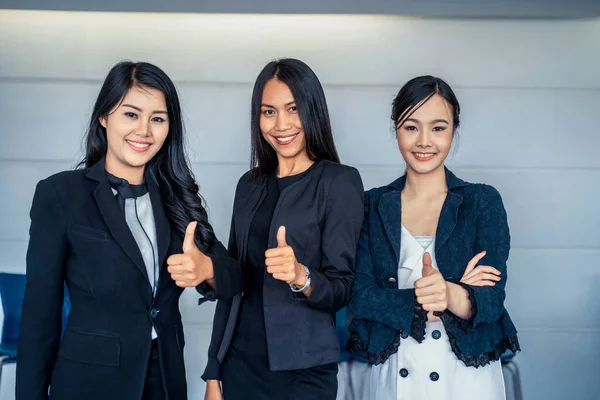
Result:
x=431 y=290
x=282 y=264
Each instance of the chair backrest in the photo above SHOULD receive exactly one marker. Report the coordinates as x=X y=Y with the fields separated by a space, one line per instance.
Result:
x=12 y=290
x=341 y=325
x=66 y=309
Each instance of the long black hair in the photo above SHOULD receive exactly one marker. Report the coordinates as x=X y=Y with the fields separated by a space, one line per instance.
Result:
x=169 y=168
x=416 y=92
x=312 y=110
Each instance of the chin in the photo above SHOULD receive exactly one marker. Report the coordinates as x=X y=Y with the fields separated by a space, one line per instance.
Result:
x=138 y=160
x=424 y=169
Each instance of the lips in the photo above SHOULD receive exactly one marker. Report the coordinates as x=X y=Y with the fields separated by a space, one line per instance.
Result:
x=424 y=156
x=139 y=147
x=285 y=140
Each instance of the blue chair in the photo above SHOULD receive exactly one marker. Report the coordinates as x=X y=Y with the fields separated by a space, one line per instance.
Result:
x=12 y=291
x=509 y=364
x=341 y=327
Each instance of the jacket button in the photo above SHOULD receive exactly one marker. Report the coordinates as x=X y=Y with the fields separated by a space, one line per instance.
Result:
x=154 y=312
x=391 y=279
x=434 y=376
x=404 y=372
x=436 y=334
x=404 y=335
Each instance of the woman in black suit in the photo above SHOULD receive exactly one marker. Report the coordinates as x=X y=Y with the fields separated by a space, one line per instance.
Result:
x=296 y=221
x=126 y=233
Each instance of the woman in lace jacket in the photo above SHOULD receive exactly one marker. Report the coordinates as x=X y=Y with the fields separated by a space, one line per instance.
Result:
x=430 y=321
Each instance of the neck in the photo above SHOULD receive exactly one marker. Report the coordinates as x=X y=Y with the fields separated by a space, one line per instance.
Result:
x=425 y=185
x=293 y=166
x=133 y=175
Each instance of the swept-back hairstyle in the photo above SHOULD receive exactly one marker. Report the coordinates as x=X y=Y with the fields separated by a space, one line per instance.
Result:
x=416 y=92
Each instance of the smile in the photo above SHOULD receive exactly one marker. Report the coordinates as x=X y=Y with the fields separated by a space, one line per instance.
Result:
x=138 y=146
x=284 y=140
x=424 y=156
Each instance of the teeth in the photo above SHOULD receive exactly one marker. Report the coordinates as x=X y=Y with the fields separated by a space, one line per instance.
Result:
x=424 y=155
x=139 y=145
x=286 y=138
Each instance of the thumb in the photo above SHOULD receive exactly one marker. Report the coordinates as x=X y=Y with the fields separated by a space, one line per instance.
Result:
x=427 y=265
x=188 y=240
x=281 y=237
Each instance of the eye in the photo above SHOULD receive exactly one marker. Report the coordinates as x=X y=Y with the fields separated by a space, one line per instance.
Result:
x=293 y=109
x=439 y=129
x=268 y=112
x=158 y=119
x=410 y=127
x=131 y=115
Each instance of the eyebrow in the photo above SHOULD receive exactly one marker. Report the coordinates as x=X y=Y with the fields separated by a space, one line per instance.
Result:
x=435 y=121
x=140 y=110
x=286 y=104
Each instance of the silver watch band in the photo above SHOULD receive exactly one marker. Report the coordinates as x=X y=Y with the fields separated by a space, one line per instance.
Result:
x=306 y=286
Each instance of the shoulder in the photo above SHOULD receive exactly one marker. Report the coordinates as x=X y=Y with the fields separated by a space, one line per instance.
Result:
x=334 y=171
x=63 y=179
x=375 y=193
x=340 y=180
x=59 y=190
x=250 y=178
x=481 y=194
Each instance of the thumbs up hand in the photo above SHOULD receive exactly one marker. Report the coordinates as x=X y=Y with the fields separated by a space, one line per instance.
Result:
x=192 y=267
x=431 y=290
x=282 y=264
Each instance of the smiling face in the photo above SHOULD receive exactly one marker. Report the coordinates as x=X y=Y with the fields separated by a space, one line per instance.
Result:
x=135 y=131
x=425 y=137
x=280 y=122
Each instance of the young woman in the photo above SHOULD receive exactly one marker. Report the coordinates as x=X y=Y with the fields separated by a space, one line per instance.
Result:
x=296 y=222
x=429 y=321
x=109 y=230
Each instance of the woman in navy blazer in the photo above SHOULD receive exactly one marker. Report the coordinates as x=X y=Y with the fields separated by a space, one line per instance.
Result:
x=126 y=233
x=427 y=318
x=295 y=226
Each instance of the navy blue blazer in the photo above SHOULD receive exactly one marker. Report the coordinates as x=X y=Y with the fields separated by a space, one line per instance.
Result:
x=472 y=219
x=322 y=213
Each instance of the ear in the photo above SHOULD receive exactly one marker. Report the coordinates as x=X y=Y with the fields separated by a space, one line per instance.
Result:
x=102 y=121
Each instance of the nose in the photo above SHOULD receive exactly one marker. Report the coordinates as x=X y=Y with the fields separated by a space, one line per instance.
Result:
x=282 y=123
x=424 y=139
x=143 y=128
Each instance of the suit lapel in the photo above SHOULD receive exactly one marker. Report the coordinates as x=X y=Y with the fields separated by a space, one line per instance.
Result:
x=114 y=219
x=389 y=209
x=448 y=219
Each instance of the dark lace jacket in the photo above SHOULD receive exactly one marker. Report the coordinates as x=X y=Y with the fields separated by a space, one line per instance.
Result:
x=472 y=219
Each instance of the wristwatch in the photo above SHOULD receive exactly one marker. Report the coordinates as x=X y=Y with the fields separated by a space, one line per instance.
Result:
x=306 y=286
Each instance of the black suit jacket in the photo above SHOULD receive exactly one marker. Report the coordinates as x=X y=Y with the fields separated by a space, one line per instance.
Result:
x=323 y=214
x=79 y=236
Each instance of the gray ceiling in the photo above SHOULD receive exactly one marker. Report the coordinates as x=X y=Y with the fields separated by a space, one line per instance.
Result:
x=430 y=8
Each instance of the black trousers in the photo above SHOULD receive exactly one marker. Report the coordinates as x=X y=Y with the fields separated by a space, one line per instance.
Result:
x=153 y=388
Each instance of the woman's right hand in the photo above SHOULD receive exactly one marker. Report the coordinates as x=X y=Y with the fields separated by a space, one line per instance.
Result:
x=213 y=391
x=480 y=275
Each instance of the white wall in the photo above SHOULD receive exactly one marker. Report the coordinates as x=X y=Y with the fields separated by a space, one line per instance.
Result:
x=529 y=90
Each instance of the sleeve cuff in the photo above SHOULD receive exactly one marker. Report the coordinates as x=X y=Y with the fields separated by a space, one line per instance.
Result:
x=226 y=282
x=212 y=372
x=456 y=324
x=419 y=322
x=207 y=293
x=317 y=281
